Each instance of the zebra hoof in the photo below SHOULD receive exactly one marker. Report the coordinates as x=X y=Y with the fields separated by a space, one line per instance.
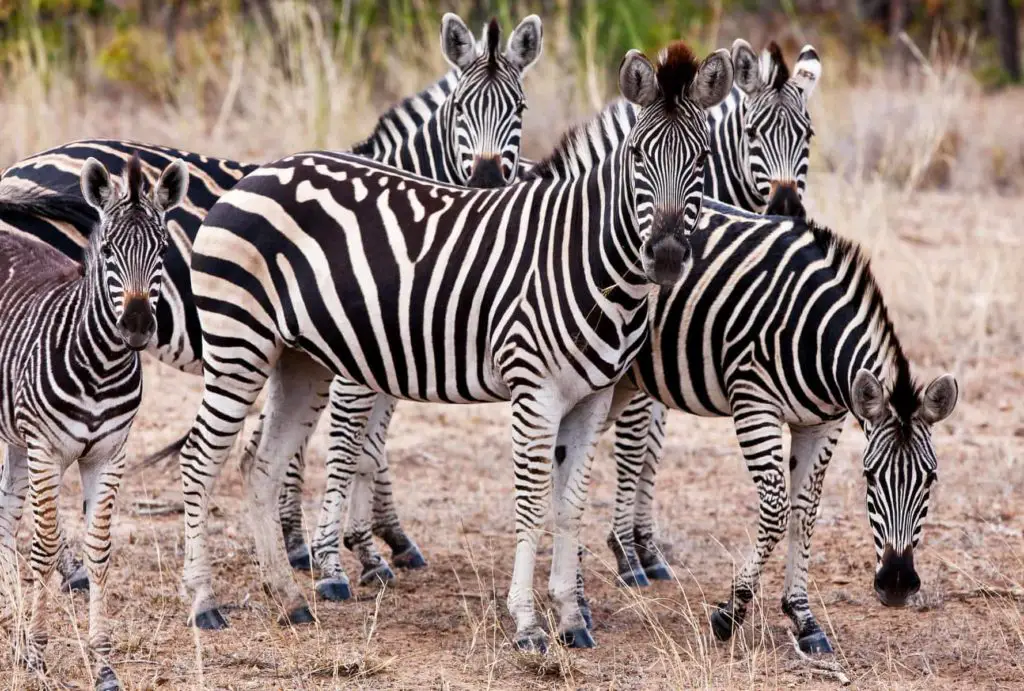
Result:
x=815 y=644
x=588 y=617
x=107 y=681
x=634 y=579
x=210 y=620
x=378 y=576
x=532 y=641
x=577 y=638
x=658 y=571
x=722 y=623
x=410 y=558
x=299 y=615
x=298 y=557
x=334 y=589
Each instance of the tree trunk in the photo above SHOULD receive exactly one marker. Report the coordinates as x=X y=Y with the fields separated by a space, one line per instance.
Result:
x=1003 y=25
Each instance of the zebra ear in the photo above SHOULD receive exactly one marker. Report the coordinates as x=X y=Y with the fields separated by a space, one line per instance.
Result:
x=713 y=81
x=939 y=399
x=746 y=68
x=172 y=186
x=867 y=398
x=638 y=81
x=457 y=42
x=525 y=43
x=97 y=187
x=807 y=71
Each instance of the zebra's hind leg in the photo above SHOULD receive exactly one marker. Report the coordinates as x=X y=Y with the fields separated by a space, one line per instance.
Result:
x=289 y=506
x=574 y=454
x=631 y=429
x=100 y=483
x=14 y=487
x=759 y=429
x=296 y=395
x=351 y=406
x=811 y=449
x=652 y=557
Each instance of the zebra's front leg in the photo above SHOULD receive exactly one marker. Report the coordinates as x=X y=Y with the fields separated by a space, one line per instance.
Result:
x=404 y=552
x=577 y=438
x=297 y=394
x=289 y=506
x=351 y=406
x=100 y=483
x=631 y=430
x=647 y=549
x=811 y=450
x=759 y=431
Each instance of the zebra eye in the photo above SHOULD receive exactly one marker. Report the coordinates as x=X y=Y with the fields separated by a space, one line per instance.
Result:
x=869 y=476
x=702 y=157
x=751 y=133
x=810 y=133
x=521 y=108
x=458 y=107
x=932 y=478
x=637 y=156
x=107 y=252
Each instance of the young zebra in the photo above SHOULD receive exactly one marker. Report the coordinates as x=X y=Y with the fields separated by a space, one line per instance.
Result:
x=534 y=293
x=485 y=103
x=760 y=145
x=71 y=380
x=782 y=323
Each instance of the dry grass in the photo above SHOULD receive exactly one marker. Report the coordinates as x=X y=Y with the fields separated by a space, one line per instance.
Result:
x=910 y=171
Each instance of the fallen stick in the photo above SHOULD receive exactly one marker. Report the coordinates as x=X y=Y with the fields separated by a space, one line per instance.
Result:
x=825 y=667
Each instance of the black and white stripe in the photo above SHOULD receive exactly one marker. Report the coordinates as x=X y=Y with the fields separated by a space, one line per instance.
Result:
x=71 y=379
x=325 y=264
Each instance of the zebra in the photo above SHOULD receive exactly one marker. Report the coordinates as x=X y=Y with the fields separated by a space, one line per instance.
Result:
x=759 y=152
x=71 y=379
x=781 y=322
x=417 y=135
x=534 y=293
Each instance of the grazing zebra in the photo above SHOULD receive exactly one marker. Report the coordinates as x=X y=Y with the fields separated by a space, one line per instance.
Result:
x=326 y=264
x=71 y=379
x=760 y=141
x=483 y=115
x=780 y=322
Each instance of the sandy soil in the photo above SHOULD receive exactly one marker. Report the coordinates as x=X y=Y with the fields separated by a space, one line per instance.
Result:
x=446 y=626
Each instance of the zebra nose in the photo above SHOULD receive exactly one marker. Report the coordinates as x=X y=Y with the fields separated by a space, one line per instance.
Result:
x=486 y=172
x=896 y=580
x=784 y=200
x=664 y=258
x=137 y=322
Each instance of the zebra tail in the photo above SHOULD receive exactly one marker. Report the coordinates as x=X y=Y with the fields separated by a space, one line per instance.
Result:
x=170 y=450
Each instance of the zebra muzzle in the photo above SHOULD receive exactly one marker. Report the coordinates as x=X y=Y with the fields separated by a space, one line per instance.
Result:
x=896 y=580
x=137 y=323
x=664 y=258
x=486 y=172
x=784 y=200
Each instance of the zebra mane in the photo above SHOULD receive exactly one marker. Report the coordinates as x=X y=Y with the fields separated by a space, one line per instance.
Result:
x=492 y=45
x=586 y=144
x=408 y=109
x=904 y=392
x=677 y=68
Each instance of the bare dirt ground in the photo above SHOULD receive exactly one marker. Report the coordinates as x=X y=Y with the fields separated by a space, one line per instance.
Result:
x=951 y=276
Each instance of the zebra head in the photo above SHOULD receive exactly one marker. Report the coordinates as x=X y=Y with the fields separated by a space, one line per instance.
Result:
x=484 y=114
x=664 y=153
x=776 y=123
x=900 y=468
x=131 y=240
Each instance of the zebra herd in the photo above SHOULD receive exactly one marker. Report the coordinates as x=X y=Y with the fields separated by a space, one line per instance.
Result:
x=658 y=258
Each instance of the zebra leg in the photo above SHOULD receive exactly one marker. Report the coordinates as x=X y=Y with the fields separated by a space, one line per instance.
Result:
x=534 y=432
x=404 y=552
x=574 y=454
x=296 y=395
x=230 y=390
x=759 y=430
x=647 y=549
x=14 y=487
x=74 y=576
x=631 y=428
x=47 y=542
x=289 y=505
x=351 y=406
x=812 y=449
x=100 y=483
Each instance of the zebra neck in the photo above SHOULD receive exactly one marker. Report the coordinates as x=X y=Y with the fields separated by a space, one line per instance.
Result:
x=883 y=357
x=727 y=178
